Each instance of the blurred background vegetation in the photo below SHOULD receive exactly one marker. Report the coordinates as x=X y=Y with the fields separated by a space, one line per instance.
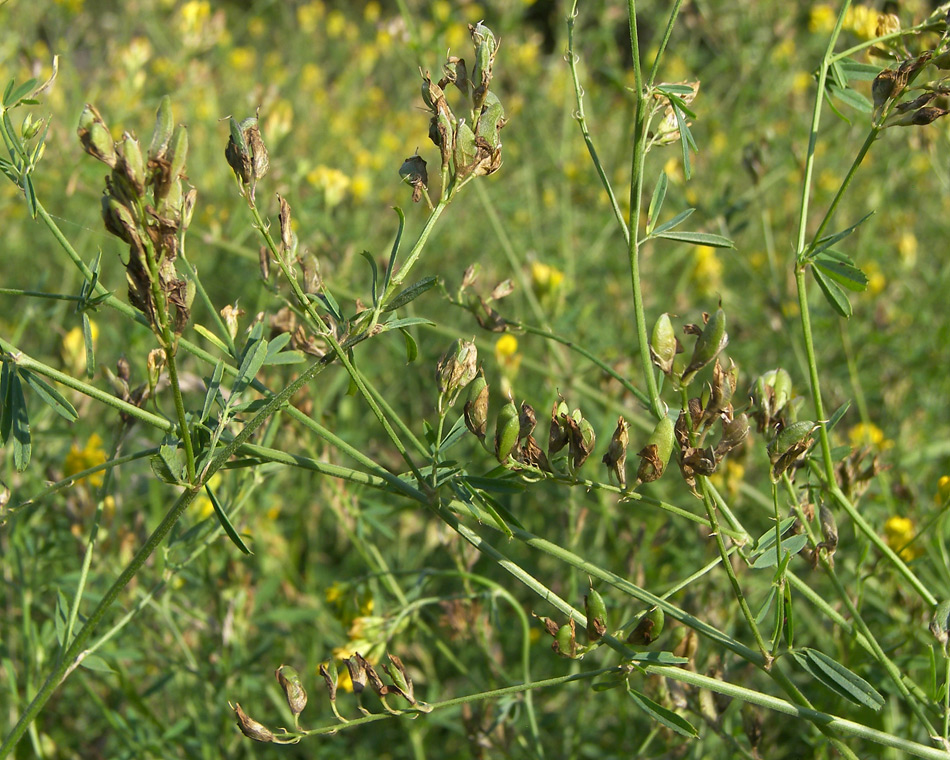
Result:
x=337 y=85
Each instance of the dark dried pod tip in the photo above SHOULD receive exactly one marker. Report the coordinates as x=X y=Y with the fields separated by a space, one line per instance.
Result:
x=413 y=172
x=457 y=368
x=245 y=152
x=354 y=666
x=329 y=673
x=250 y=727
x=527 y=420
x=616 y=456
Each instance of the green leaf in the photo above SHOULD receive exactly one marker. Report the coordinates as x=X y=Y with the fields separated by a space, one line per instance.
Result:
x=833 y=294
x=658 y=658
x=838 y=414
x=286 y=357
x=209 y=336
x=87 y=342
x=852 y=98
x=30 y=193
x=6 y=402
x=225 y=522
x=50 y=396
x=327 y=299
x=843 y=273
x=656 y=202
x=412 y=350
x=214 y=386
x=838 y=678
x=769 y=558
x=395 y=250
x=399 y=324
x=275 y=345
x=61 y=616
x=254 y=355
x=95 y=663
x=828 y=241
x=411 y=293
x=12 y=96
x=766 y=606
x=663 y=716
x=697 y=238
x=22 y=443
x=169 y=463
x=859 y=72
x=686 y=141
x=674 y=222
x=372 y=264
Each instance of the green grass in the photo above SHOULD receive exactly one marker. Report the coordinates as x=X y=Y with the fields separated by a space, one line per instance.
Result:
x=353 y=550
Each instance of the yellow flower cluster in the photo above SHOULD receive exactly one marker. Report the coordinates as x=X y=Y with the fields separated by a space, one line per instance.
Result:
x=898 y=533
x=91 y=455
x=706 y=275
x=861 y=20
x=332 y=182
x=868 y=434
x=545 y=279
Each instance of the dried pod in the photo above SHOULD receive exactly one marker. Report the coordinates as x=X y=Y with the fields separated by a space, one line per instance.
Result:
x=532 y=455
x=940 y=623
x=616 y=456
x=829 y=530
x=507 y=427
x=476 y=408
x=95 y=137
x=724 y=381
x=734 y=432
x=457 y=368
x=357 y=674
x=329 y=673
x=788 y=445
x=372 y=677
x=413 y=172
x=246 y=153
x=582 y=438
x=250 y=727
x=596 y=615
x=162 y=134
x=559 y=435
x=527 y=420
x=655 y=455
x=295 y=694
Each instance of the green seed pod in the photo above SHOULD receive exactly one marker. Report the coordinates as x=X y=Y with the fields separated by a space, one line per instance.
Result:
x=788 y=445
x=648 y=628
x=507 y=427
x=164 y=124
x=465 y=149
x=559 y=435
x=565 y=642
x=250 y=727
x=663 y=345
x=582 y=439
x=119 y=221
x=781 y=383
x=709 y=344
x=476 y=408
x=490 y=121
x=296 y=696
x=397 y=672
x=129 y=163
x=596 y=615
x=95 y=137
x=178 y=152
x=432 y=94
x=655 y=455
x=940 y=623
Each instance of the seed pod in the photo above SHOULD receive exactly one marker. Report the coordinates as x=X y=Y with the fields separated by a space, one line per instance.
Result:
x=709 y=344
x=330 y=675
x=413 y=172
x=357 y=674
x=457 y=368
x=829 y=530
x=648 y=628
x=655 y=455
x=130 y=166
x=507 y=427
x=663 y=345
x=246 y=153
x=397 y=672
x=465 y=151
x=565 y=641
x=527 y=421
x=940 y=623
x=289 y=680
x=490 y=121
x=788 y=445
x=164 y=124
x=432 y=94
x=250 y=727
x=596 y=615
x=375 y=682
x=95 y=137
x=723 y=387
x=476 y=408
x=559 y=434
x=582 y=438
x=616 y=456
x=734 y=432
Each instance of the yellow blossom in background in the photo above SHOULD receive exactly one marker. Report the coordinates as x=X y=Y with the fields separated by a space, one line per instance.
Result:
x=256 y=27
x=441 y=10
x=360 y=187
x=310 y=15
x=74 y=348
x=729 y=478
x=242 y=59
x=545 y=280
x=802 y=82
x=91 y=455
x=943 y=491
x=868 y=434
x=506 y=347
x=674 y=170
x=73 y=6
x=332 y=182
x=193 y=18
x=279 y=120
x=907 y=248
x=821 y=18
x=508 y=358
x=706 y=275
x=203 y=507
x=898 y=533
x=862 y=20
x=876 y=279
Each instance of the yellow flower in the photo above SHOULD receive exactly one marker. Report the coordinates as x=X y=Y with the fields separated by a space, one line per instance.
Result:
x=868 y=434
x=91 y=455
x=907 y=248
x=242 y=59
x=309 y=16
x=862 y=20
x=332 y=182
x=706 y=275
x=203 y=506
x=333 y=593
x=545 y=279
x=943 y=491
x=506 y=347
x=821 y=18
x=876 y=279
x=898 y=533
x=74 y=348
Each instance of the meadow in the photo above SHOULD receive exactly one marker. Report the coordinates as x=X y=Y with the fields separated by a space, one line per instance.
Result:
x=474 y=379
